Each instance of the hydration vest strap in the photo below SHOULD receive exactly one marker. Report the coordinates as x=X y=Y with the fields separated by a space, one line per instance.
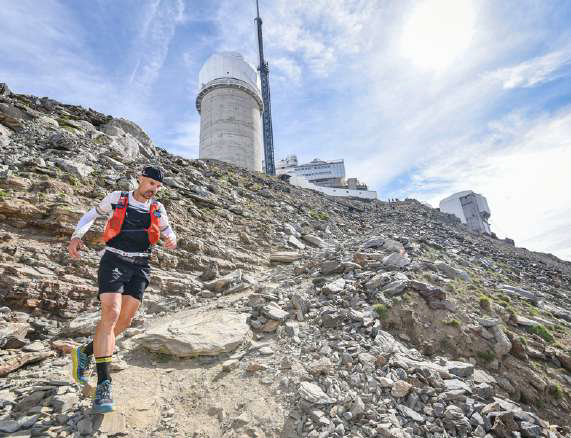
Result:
x=123 y=200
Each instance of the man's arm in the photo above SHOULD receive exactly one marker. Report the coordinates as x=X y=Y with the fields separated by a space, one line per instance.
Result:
x=166 y=230
x=103 y=209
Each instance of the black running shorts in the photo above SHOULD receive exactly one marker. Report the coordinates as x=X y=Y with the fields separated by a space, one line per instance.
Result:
x=118 y=275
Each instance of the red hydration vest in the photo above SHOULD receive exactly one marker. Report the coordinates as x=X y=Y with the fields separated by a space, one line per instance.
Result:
x=114 y=224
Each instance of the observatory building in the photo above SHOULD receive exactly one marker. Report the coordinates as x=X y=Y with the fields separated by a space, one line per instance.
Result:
x=323 y=176
x=471 y=208
x=230 y=107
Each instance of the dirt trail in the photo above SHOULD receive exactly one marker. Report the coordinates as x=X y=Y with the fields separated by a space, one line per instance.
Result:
x=189 y=398
x=159 y=396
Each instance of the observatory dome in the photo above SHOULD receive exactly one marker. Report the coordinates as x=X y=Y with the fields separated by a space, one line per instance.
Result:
x=227 y=65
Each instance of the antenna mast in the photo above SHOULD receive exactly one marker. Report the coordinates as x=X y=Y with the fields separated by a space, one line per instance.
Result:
x=267 y=114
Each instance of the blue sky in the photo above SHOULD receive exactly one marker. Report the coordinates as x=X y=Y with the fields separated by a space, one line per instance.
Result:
x=421 y=98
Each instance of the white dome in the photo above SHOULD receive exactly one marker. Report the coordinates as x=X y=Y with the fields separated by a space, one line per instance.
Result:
x=227 y=65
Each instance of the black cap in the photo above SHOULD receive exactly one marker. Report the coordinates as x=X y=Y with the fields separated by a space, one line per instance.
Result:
x=153 y=172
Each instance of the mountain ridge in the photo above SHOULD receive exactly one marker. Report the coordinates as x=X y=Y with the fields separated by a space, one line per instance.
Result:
x=356 y=318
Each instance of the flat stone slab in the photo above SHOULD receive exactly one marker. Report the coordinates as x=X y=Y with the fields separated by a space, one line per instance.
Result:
x=314 y=240
x=410 y=413
x=334 y=287
x=452 y=384
x=196 y=332
x=460 y=369
x=285 y=257
x=480 y=376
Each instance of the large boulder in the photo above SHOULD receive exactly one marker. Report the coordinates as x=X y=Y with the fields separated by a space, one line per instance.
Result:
x=196 y=332
x=64 y=140
x=129 y=140
x=76 y=168
x=396 y=260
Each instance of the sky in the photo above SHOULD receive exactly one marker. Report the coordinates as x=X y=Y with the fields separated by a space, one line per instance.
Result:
x=421 y=98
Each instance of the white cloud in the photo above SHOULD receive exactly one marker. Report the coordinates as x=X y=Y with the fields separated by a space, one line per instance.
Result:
x=287 y=69
x=157 y=30
x=44 y=52
x=437 y=32
x=535 y=71
x=317 y=33
x=184 y=136
x=47 y=50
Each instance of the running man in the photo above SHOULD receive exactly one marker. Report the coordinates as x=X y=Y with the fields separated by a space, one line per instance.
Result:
x=135 y=223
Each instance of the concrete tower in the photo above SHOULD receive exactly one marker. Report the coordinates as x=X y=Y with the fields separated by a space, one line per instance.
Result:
x=230 y=107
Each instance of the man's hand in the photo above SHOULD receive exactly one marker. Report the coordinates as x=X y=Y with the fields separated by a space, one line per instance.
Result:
x=170 y=243
x=74 y=246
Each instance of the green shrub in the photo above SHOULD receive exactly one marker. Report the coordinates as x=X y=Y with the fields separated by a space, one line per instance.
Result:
x=452 y=323
x=73 y=180
x=318 y=215
x=503 y=298
x=509 y=308
x=487 y=356
x=485 y=302
x=556 y=391
x=542 y=332
x=382 y=311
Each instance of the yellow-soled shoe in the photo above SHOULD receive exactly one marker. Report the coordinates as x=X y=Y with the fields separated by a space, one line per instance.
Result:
x=80 y=366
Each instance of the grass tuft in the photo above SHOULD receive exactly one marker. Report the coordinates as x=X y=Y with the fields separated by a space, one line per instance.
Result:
x=556 y=391
x=453 y=323
x=382 y=311
x=542 y=332
x=485 y=302
x=318 y=215
x=487 y=356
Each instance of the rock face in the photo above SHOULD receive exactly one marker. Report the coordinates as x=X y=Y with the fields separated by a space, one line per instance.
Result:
x=196 y=333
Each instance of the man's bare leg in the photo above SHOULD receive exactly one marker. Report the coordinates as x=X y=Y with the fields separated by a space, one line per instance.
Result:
x=104 y=341
x=129 y=307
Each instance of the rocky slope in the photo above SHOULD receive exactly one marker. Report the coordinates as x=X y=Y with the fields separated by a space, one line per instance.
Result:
x=283 y=313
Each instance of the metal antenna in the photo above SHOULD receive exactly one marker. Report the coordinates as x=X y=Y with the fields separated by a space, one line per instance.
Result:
x=267 y=114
